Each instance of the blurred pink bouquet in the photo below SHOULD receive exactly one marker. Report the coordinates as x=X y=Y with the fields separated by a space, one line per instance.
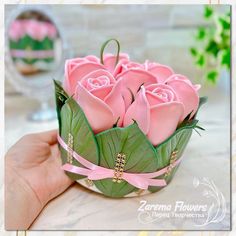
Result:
x=118 y=91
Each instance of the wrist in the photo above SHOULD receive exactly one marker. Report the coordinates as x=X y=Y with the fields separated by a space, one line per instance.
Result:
x=22 y=204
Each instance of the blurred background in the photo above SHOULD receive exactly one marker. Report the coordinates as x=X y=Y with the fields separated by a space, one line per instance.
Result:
x=194 y=40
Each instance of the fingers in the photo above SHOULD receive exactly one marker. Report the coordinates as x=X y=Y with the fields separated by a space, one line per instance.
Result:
x=49 y=137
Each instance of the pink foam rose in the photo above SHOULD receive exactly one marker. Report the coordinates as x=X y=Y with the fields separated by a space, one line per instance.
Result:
x=157 y=111
x=161 y=72
x=77 y=68
x=100 y=97
x=186 y=92
x=133 y=79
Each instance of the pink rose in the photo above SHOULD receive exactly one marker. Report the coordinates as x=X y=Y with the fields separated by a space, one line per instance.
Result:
x=100 y=97
x=77 y=68
x=157 y=111
x=133 y=79
x=161 y=72
x=186 y=92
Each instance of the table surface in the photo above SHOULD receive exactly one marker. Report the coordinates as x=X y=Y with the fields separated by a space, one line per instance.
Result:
x=206 y=157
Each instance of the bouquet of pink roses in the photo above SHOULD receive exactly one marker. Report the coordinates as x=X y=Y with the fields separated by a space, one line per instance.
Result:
x=123 y=126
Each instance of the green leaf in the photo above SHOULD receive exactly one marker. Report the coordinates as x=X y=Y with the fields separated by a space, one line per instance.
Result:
x=225 y=60
x=224 y=22
x=140 y=156
x=208 y=12
x=212 y=48
x=61 y=97
x=201 y=60
x=74 y=121
x=202 y=101
x=176 y=141
x=193 y=51
x=201 y=33
x=212 y=76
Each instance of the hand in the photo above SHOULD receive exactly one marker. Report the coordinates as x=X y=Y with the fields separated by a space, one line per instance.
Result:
x=33 y=176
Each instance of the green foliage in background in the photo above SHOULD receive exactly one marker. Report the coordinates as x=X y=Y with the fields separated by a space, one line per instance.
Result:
x=212 y=50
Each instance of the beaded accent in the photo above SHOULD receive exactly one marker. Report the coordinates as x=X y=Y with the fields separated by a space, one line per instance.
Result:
x=173 y=159
x=70 y=151
x=89 y=182
x=119 y=168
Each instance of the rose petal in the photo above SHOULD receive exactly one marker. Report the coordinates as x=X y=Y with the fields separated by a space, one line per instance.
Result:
x=161 y=72
x=98 y=113
x=153 y=99
x=139 y=111
x=164 y=119
x=102 y=92
x=133 y=79
x=99 y=73
x=186 y=94
x=77 y=73
x=110 y=61
x=197 y=87
x=92 y=58
x=116 y=102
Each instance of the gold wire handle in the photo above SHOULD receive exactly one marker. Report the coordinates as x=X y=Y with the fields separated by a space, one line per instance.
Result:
x=119 y=167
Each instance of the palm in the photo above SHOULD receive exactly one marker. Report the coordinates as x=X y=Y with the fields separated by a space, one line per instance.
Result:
x=38 y=162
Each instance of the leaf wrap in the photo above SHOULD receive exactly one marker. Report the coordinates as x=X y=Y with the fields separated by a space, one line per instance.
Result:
x=102 y=149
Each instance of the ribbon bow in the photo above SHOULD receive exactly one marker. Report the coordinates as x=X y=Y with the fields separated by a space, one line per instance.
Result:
x=95 y=172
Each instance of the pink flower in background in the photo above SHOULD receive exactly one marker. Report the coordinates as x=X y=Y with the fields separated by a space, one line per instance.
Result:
x=15 y=30
x=37 y=30
x=157 y=112
x=100 y=97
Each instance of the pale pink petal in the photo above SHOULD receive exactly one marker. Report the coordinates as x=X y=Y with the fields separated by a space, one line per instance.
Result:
x=153 y=99
x=102 y=92
x=186 y=94
x=92 y=58
x=110 y=61
x=98 y=73
x=99 y=115
x=139 y=111
x=133 y=79
x=116 y=102
x=119 y=67
x=164 y=119
x=178 y=77
x=77 y=73
x=197 y=87
x=164 y=87
x=162 y=72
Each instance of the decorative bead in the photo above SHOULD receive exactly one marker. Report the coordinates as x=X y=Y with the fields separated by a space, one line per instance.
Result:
x=89 y=182
x=119 y=167
x=70 y=148
x=173 y=158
